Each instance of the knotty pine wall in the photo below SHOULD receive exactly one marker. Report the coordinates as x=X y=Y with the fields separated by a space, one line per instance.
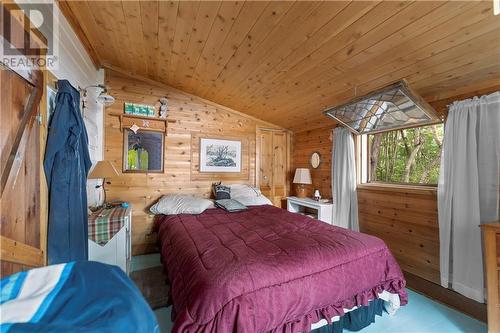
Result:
x=192 y=118
x=305 y=143
x=406 y=219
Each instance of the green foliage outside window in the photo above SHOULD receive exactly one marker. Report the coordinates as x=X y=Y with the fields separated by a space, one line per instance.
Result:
x=406 y=156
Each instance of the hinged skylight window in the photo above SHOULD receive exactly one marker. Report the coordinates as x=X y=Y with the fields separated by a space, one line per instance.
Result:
x=392 y=107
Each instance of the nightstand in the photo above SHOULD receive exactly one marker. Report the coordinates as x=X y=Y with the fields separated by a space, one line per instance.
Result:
x=109 y=236
x=322 y=211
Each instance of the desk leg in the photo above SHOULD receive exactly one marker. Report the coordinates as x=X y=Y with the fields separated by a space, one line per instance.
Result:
x=291 y=207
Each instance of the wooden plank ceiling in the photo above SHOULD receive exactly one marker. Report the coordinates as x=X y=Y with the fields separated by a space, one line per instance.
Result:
x=284 y=62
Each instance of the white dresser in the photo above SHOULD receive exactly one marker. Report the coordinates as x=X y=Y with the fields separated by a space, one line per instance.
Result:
x=109 y=237
x=321 y=210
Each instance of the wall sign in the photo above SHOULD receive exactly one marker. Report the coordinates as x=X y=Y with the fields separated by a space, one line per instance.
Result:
x=140 y=109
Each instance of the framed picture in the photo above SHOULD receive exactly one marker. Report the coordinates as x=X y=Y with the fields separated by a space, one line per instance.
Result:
x=220 y=155
x=143 y=151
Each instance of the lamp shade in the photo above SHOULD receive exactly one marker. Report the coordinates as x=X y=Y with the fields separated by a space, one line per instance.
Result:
x=103 y=169
x=302 y=176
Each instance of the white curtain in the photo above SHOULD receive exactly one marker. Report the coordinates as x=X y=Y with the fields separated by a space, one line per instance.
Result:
x=468 y=191
x=344 y=180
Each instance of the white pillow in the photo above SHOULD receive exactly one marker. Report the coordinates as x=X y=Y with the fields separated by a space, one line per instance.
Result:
x=254 y=201
x=172 y=204
x=242 y=190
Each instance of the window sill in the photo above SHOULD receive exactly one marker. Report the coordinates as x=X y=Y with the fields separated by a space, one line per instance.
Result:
x=398 y=188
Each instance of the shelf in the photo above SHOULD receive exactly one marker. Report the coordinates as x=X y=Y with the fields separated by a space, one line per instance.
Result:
x=171 y=121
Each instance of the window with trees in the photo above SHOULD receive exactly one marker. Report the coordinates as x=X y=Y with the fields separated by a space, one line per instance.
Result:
x=408 y=156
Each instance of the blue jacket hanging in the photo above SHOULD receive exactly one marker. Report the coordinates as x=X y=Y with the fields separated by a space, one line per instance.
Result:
x=67 y=163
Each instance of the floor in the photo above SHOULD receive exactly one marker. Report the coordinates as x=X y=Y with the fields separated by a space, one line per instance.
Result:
x=421 y=315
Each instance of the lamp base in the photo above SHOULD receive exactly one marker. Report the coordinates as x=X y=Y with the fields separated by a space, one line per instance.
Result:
x=300 y=191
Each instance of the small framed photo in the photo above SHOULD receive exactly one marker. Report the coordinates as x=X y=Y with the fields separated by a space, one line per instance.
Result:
x=220 y=155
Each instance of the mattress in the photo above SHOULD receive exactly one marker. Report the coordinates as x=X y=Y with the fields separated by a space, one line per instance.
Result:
x=268 y=270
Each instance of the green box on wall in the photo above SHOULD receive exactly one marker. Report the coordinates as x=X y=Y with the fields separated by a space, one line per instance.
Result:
x=139 y=109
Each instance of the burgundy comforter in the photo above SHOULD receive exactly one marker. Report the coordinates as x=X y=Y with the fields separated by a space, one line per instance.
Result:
x=266 y=269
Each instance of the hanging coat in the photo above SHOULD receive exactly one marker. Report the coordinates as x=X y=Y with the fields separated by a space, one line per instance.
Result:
x=67 y=163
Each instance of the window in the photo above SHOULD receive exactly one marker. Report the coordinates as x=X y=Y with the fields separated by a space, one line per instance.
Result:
x=408 y=156
x=390 y=108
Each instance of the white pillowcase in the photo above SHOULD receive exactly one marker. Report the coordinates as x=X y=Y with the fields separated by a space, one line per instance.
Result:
x=242 y=190
x=254 y=201
x=248 y=195
x=172 y=204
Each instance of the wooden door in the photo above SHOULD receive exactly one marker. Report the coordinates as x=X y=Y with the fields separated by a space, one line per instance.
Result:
x=280 y=149
x=273 y=164
x=265 y=159
x=20 y=172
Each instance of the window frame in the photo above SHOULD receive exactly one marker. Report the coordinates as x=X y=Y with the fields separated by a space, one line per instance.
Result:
x=363 y=156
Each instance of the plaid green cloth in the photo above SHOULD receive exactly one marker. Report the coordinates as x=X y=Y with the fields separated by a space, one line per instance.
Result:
x=105 y=223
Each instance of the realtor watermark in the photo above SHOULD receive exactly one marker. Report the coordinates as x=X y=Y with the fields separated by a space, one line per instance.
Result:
x=29 y=34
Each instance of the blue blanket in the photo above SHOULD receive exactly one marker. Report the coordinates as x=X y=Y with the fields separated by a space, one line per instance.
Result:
x=74 y=297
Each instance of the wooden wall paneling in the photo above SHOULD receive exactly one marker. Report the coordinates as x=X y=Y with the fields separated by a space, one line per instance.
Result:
x=249 y=13
x=134 y=35
x=167 y=20
x=150 y=21
x=274 y=44
x=407 y=221
x=206 y=14
x=342 y=29
x=305 y=143
x=226 y=18
x=258 y=41
x=247 y=150
x=70 y=16
x=301 y=78
x=404 y=49
x=189 y=119
x=410 y=53
x=280 y=61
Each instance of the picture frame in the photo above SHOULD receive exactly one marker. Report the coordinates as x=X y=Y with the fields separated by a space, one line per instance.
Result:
x=143 y=151
x=218 y=155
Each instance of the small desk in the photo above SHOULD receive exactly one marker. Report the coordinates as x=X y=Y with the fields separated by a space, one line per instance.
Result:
x=324 y=209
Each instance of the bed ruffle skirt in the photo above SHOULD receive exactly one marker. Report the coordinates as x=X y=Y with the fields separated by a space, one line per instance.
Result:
x=355 y=320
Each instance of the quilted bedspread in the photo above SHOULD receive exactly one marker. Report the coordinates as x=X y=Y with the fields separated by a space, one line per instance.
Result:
x=269 y=270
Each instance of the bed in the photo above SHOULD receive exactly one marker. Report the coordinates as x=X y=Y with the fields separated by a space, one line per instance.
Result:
x=268 y=270
x=74 y=297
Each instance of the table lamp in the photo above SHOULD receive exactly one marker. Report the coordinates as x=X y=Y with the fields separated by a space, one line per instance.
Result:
x=103 y=169
x=302 y=177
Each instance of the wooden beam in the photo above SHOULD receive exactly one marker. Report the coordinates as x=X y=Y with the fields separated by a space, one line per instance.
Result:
x=20 y=253
x=73 y=22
